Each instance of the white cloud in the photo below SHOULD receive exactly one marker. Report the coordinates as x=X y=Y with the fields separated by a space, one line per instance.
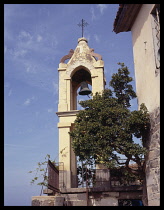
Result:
x=10 y=92
x=50 y=110
x=102 y=7
x=56 y=88
x=18 y=146
x=93 y=17
x=29 y=100
x=28 y=44
x=7 y=85
x=37 y=114
x=87 y=36
x=33 y=98
x=96 y=38
x=19 y=53
x=39 y=38
x=24 y=36
x=30 y=67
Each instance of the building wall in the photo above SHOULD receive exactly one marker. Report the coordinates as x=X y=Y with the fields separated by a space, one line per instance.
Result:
x=148 y=92
x=147 y=82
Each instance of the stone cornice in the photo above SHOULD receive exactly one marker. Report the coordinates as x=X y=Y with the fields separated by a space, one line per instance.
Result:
x=67 y=113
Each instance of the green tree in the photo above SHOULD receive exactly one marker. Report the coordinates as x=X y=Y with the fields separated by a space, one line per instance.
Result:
x=41 y=172
x=106 y=128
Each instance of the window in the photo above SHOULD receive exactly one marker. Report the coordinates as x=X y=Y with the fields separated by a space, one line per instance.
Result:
x=156 y=35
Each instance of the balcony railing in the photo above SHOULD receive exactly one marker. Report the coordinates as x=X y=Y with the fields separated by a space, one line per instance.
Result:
x=53 y=177
x=106 y=177
x=90 y=177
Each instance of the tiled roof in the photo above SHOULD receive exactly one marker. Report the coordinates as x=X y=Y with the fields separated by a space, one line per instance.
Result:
x=125 y=17
x=117 y=15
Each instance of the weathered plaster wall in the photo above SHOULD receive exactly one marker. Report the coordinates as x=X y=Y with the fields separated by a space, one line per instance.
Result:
x=147 y=83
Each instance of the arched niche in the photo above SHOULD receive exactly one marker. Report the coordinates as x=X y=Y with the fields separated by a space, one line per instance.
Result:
x=79 y=75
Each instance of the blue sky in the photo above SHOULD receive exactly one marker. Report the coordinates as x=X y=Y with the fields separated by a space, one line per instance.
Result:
x=37 y=36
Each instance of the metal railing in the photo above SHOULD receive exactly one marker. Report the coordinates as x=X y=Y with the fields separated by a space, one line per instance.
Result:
x=53 y=177
x=90 y=177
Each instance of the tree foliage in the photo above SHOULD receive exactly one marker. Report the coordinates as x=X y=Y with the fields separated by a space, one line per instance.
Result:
x=106 y=128
x=40 y=177
x=41 y=172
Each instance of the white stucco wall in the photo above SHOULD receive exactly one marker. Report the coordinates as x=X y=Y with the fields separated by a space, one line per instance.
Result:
x=147 y=83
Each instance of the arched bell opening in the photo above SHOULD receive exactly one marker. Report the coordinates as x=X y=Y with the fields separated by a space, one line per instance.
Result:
x=82 y=97
x=81 y=79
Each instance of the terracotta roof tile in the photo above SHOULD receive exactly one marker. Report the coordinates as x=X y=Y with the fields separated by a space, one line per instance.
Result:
x=117 y=15
x=125 y=17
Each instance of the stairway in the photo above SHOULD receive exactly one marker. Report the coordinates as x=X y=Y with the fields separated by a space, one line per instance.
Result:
x=78 y=199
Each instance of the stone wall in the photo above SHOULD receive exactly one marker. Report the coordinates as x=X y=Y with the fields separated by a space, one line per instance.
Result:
x=56 y=200
x=89 y=197
x=153 y=160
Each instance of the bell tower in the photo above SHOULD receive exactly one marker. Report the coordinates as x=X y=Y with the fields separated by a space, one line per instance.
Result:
x=84 y=67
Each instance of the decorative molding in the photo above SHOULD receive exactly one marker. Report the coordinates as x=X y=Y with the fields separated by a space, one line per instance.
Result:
x=62 y=60
x=91 y=51
x=67 y=113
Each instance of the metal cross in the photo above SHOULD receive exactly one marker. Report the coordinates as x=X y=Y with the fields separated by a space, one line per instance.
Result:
x=83 y=24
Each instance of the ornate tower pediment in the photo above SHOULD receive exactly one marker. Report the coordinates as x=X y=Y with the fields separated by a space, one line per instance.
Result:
x=84 y=64
x=81 y=56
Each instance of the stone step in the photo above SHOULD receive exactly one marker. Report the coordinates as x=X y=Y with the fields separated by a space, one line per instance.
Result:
x=78 y=196
x=78 y=199
x=76 y=203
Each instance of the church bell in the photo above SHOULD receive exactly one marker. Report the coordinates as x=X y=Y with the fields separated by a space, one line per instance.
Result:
x=84 y=89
